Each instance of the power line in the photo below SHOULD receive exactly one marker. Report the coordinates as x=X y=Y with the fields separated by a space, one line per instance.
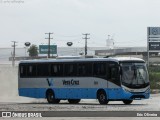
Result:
x=86 y=42
x=49 y=43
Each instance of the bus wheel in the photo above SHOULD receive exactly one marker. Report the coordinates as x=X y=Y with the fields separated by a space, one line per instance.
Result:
x=74 y=101
x=102 y=97
x=51 y=98
x=127 y=102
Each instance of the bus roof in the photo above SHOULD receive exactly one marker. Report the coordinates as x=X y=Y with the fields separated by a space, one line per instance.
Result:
x=115 y=59
x=128 y=59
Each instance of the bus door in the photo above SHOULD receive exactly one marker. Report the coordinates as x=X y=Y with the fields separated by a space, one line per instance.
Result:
x=100 y=71
x=114 y=91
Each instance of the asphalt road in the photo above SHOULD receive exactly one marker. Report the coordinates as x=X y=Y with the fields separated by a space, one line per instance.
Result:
x=152 y=104
x=86 y=108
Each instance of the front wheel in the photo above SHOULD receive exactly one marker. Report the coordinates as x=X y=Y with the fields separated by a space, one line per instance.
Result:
x=127 y=102
x=74 y=101
x=102 y=97
x=51 y=97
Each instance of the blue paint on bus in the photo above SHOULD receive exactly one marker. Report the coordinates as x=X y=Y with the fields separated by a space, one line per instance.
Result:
x=79 y=93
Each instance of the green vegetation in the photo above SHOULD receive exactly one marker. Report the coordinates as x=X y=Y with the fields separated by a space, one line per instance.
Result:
x=154 y=77
x=33 y=51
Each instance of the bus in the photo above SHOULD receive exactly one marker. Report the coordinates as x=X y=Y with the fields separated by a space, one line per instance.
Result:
x=106 y=79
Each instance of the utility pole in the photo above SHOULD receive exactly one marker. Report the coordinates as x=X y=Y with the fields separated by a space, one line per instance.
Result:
x=14 y=53
x=49 y=43
x=86 y=42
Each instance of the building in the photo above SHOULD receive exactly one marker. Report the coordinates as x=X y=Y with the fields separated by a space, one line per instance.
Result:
x=140 y=52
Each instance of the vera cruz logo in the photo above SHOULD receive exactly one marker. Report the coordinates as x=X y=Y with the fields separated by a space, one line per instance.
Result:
x=50 y=82
x=70 y=82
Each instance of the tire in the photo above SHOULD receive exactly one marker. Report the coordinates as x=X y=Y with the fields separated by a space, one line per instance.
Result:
x=127 y=102
x=74 y=101
x=51 y=97
x=102 y=97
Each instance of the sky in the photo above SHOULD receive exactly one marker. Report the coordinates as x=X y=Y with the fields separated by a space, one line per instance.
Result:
x=125 y=21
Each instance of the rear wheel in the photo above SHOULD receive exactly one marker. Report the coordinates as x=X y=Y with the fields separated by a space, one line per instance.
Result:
x=127 y=102
x=51 y=97
x=74 y=101
x=102 y=97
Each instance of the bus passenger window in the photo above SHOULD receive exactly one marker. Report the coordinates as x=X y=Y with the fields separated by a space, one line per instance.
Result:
x=100 y=69
x=43 y=70
x=113 y=73
x=84 y=69
x=81 y=70
x=23 y=71
x=31 y=71
x=70 y=70
x=57 y=70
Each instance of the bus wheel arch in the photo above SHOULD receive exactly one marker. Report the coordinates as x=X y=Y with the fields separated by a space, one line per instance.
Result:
x=102 y=96
x=51 y=97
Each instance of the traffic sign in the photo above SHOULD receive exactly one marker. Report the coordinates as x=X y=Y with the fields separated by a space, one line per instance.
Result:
x=154 y=45
x=43 y=49
x=154 y=39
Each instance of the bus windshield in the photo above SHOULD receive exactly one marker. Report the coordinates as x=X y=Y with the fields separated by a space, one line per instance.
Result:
x=134 y=75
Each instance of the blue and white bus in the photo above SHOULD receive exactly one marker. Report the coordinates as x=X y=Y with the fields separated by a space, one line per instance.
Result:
x=105 y=79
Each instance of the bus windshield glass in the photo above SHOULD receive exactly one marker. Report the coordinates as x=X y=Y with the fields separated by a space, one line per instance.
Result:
x=134 y=75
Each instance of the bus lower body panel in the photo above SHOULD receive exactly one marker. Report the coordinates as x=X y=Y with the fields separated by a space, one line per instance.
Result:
x=82 y=93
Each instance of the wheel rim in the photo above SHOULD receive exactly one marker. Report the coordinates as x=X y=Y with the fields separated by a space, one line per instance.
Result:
x=102 y=97
x=50 y=96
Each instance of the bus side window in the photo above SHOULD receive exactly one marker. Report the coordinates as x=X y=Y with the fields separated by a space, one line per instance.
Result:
x=57 y=70
x=81 y=70
x=70 y=70
x=99 y=69
x=31 y=71
x=23 y=70
x=84 y=69
x=113 y=72
x=43 y=70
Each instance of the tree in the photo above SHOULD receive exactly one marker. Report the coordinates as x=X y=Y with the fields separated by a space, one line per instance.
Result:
x=33 y=51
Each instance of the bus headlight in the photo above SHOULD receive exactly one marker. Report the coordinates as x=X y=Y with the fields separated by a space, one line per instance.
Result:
x=148 y=90
x=126 y=90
